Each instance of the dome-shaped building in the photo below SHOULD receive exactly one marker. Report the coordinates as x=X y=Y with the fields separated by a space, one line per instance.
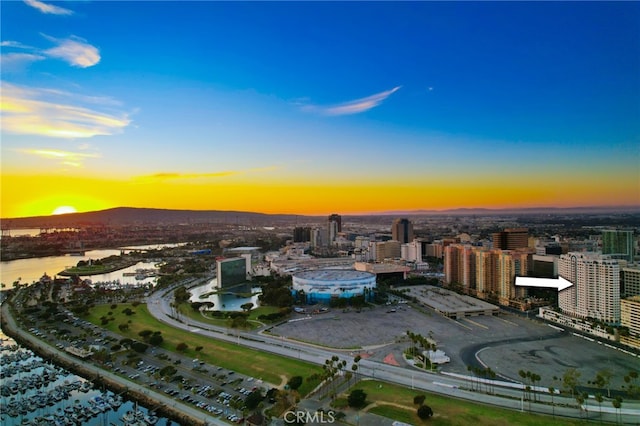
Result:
x=320 y=286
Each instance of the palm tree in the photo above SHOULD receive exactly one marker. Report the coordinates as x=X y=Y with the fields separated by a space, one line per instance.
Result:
x=491 y=375
x=617 y=403
x=580 y=400
x=354 y=368
x=553 y=406
x=469 y=369
x=535 y=378
x=599 y=398
x=523 y=375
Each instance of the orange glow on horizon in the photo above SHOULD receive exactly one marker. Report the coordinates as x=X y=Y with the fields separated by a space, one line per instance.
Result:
x=25 y=196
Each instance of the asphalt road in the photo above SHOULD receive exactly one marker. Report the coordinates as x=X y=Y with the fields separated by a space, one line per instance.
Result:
x=506 y=394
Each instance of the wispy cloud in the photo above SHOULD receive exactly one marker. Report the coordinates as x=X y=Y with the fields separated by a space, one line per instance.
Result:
x=74 y=50
x=170 y=176
x=162 y=176
x=16 y=60
x=48 y=8
x=58 y=114
x=66 y=158
x=17 y=44
x=355 y=106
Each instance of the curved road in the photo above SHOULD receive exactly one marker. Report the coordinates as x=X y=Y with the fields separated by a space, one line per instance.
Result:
x=506 y=394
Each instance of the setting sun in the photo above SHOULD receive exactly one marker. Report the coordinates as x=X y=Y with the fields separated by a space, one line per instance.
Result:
x=64 y=210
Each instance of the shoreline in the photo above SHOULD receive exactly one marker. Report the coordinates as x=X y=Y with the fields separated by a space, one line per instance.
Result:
x=67 y=273
x=133 y=391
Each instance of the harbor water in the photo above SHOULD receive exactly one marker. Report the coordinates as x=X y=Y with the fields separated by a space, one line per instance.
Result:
x=36 y=392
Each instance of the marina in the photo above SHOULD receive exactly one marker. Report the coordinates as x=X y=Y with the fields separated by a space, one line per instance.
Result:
x=35 y=392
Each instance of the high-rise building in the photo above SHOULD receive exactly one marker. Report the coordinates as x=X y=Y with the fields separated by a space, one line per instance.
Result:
x=631 y=280
x=460 y=265
x=402 y=230
x=487 y=273
x=630 y=314
x=595 y=292
x=411 y=251
x=301 y=235
x=387 y=250
x=511 y=264
x=435 y=249
x=511 y=239
x=618 y=244
x=319 y=237
x=334 y=226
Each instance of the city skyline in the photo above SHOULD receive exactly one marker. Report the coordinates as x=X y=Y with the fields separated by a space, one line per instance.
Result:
x=311 y=108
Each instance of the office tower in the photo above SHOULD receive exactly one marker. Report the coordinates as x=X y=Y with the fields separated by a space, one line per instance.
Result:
x=387 y=250
x=511 y=239
x=402 y=230
x=618 y=244
x=335 y=226
x=319 y=237
x=544 y=266
x=232 y=274
x=595 y=292
x=301 y=235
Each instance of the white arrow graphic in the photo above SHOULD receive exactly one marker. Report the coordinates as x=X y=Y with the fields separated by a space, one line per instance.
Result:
x=559 y=283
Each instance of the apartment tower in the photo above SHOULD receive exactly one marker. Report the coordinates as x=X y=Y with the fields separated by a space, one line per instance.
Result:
x=595 y=292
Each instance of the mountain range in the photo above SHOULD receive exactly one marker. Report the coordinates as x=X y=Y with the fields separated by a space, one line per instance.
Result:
x=148 y=216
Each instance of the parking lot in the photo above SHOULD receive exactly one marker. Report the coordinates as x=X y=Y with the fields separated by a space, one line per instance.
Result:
x=506 y=342
x=210 y=388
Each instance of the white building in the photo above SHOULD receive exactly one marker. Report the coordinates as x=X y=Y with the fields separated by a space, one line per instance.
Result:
x=411 y=252
x=595 y=292
x=323 y=285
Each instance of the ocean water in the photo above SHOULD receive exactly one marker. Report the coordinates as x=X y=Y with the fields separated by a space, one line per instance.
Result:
x=27 y=398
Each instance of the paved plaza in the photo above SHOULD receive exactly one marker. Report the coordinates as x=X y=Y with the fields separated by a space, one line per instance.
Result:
x=507 y=342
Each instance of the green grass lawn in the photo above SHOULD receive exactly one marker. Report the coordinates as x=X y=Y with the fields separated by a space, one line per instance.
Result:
x=447 y=411
x=87 y=270
x=394 y=402
x=205 y=317
x=270 y=368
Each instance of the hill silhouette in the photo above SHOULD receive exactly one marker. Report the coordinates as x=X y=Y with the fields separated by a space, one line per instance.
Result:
x=121 y=216
x=130 y=216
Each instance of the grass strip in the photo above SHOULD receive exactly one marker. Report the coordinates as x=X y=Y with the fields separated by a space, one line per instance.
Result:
x=266 y=366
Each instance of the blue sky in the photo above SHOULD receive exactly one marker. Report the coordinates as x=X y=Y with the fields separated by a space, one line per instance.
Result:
x=260 y=95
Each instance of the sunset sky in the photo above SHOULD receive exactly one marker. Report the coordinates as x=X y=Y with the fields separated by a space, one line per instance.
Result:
x=316 y=108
